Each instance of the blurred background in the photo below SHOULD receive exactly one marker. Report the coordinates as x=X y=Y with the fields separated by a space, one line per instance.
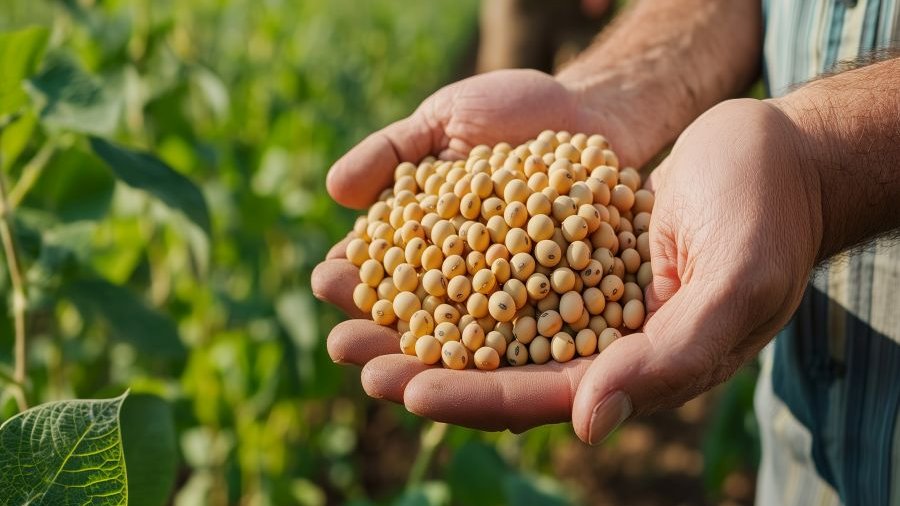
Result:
x=252 y=100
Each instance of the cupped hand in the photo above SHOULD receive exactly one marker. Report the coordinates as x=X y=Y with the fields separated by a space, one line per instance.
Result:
x=734 y=235
x=506 y=105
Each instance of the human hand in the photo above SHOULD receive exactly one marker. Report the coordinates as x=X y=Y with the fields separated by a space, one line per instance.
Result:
x=506 y=105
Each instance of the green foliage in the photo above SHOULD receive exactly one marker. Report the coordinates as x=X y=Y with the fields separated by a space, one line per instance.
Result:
x=148 y=438
x=20 y=53
x=67 y=452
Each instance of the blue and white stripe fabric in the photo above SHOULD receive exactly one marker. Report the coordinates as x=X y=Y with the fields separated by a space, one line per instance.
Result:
x=828 y=396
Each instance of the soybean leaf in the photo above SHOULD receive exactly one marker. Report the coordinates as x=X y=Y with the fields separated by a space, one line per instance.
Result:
x=146 y=172
x=148 y=435
x=67 y=452
x=130 y=318
x=74 y=99
x=20 y=54
x=475 y=473
x=430 y=493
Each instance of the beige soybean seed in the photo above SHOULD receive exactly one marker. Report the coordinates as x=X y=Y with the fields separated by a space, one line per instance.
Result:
x=522 y=265
x=484 y=281
x=632 y=292
x=606 y=337
x=633 y=314
x=357 y=251
x=387 y=289
x=571 y=306
x=549 y=322
x=591 y=274
x=434 y=282
x=428 y=350
x=411 y=229
x=497 y=341
x=538 y=204
x=477 y=305
x=562 y=280
x=540 y=227
x=578 y=255
x=459 y=288
x=378 y=212
x=487 y=358
x=563 y=207
x=393 y=257
x=547 y=253
x=383 y=231
x=517 y=241
x=643 y=246
x=432 y=257
x=405 y=277
x=421 y=323
x=383 y=312
x=605 y=237
x=607 y=174
x=585 y=342
x=454 y=265
x=626 y=240
x=405 y=304
x=622 y=197
x=591 y=217
x=641 y=223
x=614 y=217
x=477 y=237
x=539 y=350
x=517 y=290
x=592 y=156
x=446 y=331
x=364 y=296
x=482 y=185
x=618 y=268
x=632 y=260
x=644 y=275
x=475 y=261
x=516 y=354
x=612 y=287
x=470 y=206
x=538 y=286
x=643 y=201
x=597 y=324
x=492 y=206
x=606 y=259
x=600 y=191
x=630 y=178
x=501 y=269
x=594 y=301
x=550 y=302
x=440 y=231
x=404 y=169
x=496 y=252
x=562 y=347
x=567 y=151
x=414 y=249
x=377 y=249
x=516 y=191
x=445 y=313
x=371 y=272
x=538 y=181
x=497 y=229
x=581 y=194
x=502 y=306
x=574 y=228
x=515 y=214
x=473 y=336
x=454 y=355
x=613 y=314
x=408 y=343
x=525 y=329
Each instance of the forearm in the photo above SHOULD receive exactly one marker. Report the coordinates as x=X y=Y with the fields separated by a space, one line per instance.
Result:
x=849 y=137
x=661 y=64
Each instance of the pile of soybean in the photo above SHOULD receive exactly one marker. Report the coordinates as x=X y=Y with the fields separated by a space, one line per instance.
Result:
x=514 y=255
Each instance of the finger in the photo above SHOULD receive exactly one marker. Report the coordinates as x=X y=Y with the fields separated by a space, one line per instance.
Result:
x=675 y=359
x=387 y=376
x=339 y=250
x=333 y=281
x=359 y=341
x=515 y=398
x=357 y=178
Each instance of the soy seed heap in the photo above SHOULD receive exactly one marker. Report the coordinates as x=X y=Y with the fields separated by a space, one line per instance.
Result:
x=512 y=256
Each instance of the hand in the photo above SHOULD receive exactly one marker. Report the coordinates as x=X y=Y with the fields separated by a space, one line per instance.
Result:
x=507 y=105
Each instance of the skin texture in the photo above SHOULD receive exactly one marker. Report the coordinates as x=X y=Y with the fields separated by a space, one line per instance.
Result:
x=786 y=182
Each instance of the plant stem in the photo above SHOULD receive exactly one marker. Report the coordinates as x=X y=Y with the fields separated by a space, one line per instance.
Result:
x=431 y=438
x=18 y=289
x=30 y=174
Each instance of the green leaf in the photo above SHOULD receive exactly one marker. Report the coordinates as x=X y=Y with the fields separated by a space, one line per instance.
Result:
x=475 y=474
x=146 y=172
x=20 y=54
x=15 y=138
x=148 y=434
x=67 y=452
x=529 y=490
x=75 y=100
x=131 y=319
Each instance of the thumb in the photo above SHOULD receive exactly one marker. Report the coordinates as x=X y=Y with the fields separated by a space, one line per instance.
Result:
x=683 y=351
x=356 y=179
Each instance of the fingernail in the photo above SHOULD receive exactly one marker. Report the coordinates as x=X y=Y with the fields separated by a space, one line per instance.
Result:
x=607 y=415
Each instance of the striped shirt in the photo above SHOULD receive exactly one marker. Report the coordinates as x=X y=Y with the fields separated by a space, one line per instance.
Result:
x=828 y=396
